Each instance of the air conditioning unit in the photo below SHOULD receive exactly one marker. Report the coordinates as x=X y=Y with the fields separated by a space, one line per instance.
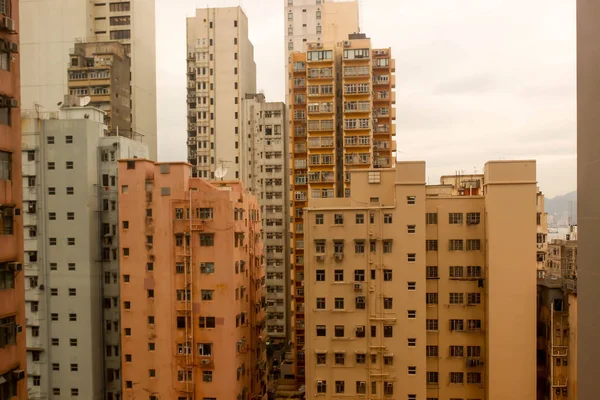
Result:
x=3 y=102
x=13 y=103
x=14 y=48
x=7 y=23
x=320 y=257
x=339 y=256
x=347 y=43
x=358 y=287
x=18 y=374
x=19 y=328
x=16 y=266
x=206 y=361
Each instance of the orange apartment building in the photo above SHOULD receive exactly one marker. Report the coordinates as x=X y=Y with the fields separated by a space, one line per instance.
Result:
x=341 y=119
x=13 y=357
x=192 y=286
x=416 y=291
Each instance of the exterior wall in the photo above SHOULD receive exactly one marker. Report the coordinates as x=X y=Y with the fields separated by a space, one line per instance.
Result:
x=327 y=140
x=221 y=70
x=93 y=307
x=44 y=79
x=573 y=346
x=337 y=20
x=542 y=234
x=12 y=307
x=107 y=57
x=588 y=185
x=166 y=233
x=510 y=189
x=264 y=134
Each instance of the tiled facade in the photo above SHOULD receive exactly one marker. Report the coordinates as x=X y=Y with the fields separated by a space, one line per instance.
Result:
x=12 y=306
x=405 y=285
x=192 y=274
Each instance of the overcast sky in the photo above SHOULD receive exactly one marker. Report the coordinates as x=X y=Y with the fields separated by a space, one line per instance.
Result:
x=476 y=80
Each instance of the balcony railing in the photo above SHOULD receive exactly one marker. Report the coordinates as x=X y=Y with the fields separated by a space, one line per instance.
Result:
x=325 y=142
x=300 y=148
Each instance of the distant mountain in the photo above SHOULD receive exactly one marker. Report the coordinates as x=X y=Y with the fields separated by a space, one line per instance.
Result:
x=563 y=206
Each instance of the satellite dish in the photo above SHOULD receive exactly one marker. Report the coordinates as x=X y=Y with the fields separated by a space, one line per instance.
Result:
x=220 y=172
x=84 y=101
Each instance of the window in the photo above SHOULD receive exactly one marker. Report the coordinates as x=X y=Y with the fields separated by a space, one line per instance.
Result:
x=340 y=358
x=388 y=388
x=71 y=241
x=388 y=331
x=412 y=370
x=36 y=380
x=455 y=218
x=431 y=298
x=321 y=330
x=411 y=229
x=411 y=285
x=52 y=216
x=431 y=325
x=338 y=275
x=207 y=295
x=122 y=6
x=431 y=351
x=319 y=219
x=474 y=218
x=338 y=219
x=339 y=386
x=69 y=165
x=321 y=386
x=359 y=247
x=51 y=191
x=387 y=275
x=431 y=218
x=474 y=377
x=51 y=166
x=457 y=325
x=431 y=245
x=387 y=246
x=411 y=257
x=457 y=351
x=71 y=191
x=474 y=351
x=320 y=303
x=72 y=317
x=360 y=303
x=388 y=303
x=207 y=376
x=456 y=377
x=456 y=298
x=411 y=199
x=412 y=342
x=72 y=291
x=473 y=298
x=207 y=268
x=361 y=387
x=455 y=244
x=359 y=275
x=474 y=272
x=361 y=358
x=456 y=272
x=387 y=218
x=70 y=216
x=122 y=34
x=338 y=331
x=205 y=349
x=52 y=241
x=339 y=303
x=50 y=139
x=473 y=244
x=360 y=219
x=207 y=322
x=150 y=293
x=431 y=272
x=320 y=275
x=474 y=325
x=73 y=342
x=207 y=240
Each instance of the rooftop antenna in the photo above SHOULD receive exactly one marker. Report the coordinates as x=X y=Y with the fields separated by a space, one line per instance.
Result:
x=84 y=101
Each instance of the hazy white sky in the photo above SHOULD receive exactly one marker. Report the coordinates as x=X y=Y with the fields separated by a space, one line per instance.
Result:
x=476 y=80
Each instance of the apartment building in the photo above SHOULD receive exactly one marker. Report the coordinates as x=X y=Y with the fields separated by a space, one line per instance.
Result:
x=220 y=71
x=101 y=71
x=71 y=252
x=588 y=186
x=562 y=258
x=193 y=316
x=265 y=136
x=405 y=286
x=310 y=21
x=557 y=338
x=12 y=305
x=48 y=50
x=342 y=119
x=542 y=234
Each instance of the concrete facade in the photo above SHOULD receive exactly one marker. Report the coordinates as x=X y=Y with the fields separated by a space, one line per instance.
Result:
x=12 y=307
x=101 y=70
x=132 y=23
x=265 y=136
x=372 y=258
x=311 y=21
x=342 y=119
x=220 y=70
x=588 y=185
x=193 y=316
x=70 y=219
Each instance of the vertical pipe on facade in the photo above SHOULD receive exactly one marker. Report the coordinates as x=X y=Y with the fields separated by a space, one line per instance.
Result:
x=190 y=270
x=102 y=283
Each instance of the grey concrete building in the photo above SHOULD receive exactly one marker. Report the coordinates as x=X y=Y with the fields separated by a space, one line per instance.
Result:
x=264 y=141
x=71 y=252
x=588 y=195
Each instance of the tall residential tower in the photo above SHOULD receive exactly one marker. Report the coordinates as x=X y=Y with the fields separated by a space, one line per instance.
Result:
x=220 y=70
x=12 y=305
x=53 y=27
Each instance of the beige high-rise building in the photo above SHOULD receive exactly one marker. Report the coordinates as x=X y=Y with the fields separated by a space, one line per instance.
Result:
x=311 y=21
x=342 y=119
x=192 y=277
x=220 y=70
x=588 y=195
x=52 y=28
x=413 y=291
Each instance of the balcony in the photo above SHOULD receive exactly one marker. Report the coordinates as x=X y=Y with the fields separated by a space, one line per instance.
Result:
x=381 y=144
x=300 y=164
x=300 y=179
x=321 y=125
x=357 y=159
x=318 y=143
x=300 y=196
x=357 y=141
x=300 y=148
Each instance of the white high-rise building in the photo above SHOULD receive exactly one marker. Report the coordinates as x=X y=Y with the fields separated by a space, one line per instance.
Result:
x=71 y=246
x=311 y=21
x=220 y=70
x=49 y=30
